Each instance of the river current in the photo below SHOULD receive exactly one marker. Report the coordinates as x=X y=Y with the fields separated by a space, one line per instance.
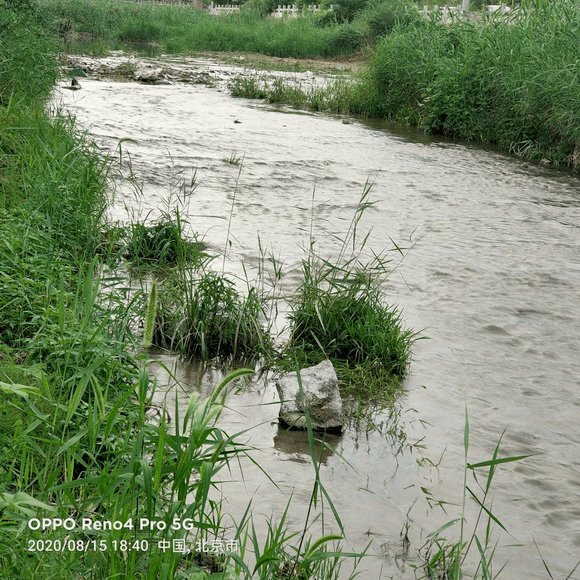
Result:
x=491 y=274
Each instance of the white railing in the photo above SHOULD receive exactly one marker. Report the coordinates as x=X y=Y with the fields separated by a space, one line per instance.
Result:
x=293 y=11
x=502 y=8
x=447 y=13
x=217 y=10
x=289 y=11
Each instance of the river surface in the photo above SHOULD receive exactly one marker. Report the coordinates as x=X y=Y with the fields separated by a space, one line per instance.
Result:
x=491 y=276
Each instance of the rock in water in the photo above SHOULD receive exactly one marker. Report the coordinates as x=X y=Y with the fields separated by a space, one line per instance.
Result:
x=320 y=393
x=74 y=85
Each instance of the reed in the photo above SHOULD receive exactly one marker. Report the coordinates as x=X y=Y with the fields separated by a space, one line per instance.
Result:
x=180 y=29
x=448 y=559
x=506 y=81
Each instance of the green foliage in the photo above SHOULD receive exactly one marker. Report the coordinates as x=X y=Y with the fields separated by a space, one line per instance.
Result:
x=201 y=314
x=181 y=29
x=346 y=40
x=75 y=437
x=334 y=98
x=347 y=10
x=504 y=81
x=380 y=17
x=157 y=245
x=339 y=313
x=59 y=180
x=28 y=68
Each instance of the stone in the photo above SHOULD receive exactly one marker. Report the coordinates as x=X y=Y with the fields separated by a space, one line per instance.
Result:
x=320 y=393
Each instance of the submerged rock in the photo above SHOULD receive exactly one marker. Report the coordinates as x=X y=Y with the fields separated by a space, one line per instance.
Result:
x=320 y=394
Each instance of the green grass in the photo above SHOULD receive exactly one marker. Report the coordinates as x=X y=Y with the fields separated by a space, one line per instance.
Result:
x=75 y=437
x=202 y=315
x=184 y=30
x=28 y=69
x=339 y=312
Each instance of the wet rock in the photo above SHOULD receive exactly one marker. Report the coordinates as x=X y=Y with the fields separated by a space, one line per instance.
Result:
x=74 y=85
x=320 y=394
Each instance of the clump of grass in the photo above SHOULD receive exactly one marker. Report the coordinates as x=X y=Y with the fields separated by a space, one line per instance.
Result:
x=233 y=159
x=336 y=96
x=339 y=313
x=160 y=244
x=202 y=315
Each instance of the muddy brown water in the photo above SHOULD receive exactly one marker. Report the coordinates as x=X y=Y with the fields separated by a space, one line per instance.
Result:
x=492 y=276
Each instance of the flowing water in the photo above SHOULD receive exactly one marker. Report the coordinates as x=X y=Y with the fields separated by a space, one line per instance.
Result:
x=492 y=277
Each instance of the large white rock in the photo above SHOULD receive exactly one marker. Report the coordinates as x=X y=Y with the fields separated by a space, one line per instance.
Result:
x=320 y=394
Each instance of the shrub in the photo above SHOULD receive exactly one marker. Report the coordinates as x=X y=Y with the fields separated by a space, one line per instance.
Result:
x=346 y=40
x=380 y=17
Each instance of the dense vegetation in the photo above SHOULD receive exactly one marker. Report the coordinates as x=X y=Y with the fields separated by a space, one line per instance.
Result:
x=76 y=437
x=506 y=80
x=512 y=81
x=109 y=25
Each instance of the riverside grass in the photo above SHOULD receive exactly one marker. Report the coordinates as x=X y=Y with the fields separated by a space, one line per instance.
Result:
x=504 y=80
x=507 y=81
x=75 y=439
x=184 y=30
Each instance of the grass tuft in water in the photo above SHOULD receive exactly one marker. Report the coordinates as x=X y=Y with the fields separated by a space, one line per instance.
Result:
x=202 y=315
x=339 y=313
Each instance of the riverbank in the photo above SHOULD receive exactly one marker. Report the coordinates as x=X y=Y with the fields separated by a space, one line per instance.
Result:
x=87 y=473
x=499 y=79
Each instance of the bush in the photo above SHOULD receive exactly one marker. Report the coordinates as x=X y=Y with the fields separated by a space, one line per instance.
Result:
x=380 y=17
x=346 y=40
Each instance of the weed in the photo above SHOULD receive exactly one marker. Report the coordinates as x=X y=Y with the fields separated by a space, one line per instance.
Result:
x=233 y=159
x=445 y=559
x=339 y=313
x=201 y=314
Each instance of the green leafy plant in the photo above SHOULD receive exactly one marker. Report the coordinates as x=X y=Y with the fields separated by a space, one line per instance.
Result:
x=446 y=559
x=339 y=313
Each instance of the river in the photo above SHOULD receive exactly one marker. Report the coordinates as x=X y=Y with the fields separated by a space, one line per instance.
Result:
x=491 y=276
